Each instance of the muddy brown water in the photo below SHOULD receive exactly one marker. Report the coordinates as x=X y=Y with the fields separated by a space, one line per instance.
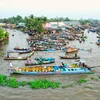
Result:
x=77 y=92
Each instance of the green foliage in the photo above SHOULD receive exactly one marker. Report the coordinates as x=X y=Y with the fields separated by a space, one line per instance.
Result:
x=83 y=22
x=37 y=84
x=23 y=83
x=12 y=82
x=68 y=85
x=34 y=23
x=92 y=78
x=59 y=19
x=96 y=79
x=12 y=20
x=88 y=87
x=2 y=77
x=80 y=81
x=1 y=33
x=99 y=77
x=2 y=54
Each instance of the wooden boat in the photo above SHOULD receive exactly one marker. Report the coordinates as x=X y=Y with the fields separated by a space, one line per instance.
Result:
x=98 y=43
x=15 y=58
x=21 y=48
x=19 y=58
x=39 y=63
x=98 y=36
x=66 y=57
x=50 y=70
x=19 y=51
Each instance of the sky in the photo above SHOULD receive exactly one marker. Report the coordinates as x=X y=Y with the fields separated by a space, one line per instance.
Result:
x=73 y=9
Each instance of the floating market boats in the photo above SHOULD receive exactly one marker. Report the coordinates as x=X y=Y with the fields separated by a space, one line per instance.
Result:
x=19 y=58
x=51 y=70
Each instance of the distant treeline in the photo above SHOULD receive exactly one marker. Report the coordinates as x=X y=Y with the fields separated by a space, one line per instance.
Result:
x=19 y=19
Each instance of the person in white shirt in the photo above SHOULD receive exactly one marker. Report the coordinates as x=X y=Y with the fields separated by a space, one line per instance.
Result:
x=10 y=64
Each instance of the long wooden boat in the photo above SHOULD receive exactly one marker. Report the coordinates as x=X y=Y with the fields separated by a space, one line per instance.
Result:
x=19 y=51
x=15 y=58
x=39 y=63
x=50 y=70
x=65 y=57
x=19 y=58
x=21 y=48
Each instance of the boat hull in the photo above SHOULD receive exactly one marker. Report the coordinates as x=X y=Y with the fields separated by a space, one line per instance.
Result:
x=62 y=57
x=46 y=73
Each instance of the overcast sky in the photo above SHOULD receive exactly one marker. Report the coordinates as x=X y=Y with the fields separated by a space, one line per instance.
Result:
x=74 y=9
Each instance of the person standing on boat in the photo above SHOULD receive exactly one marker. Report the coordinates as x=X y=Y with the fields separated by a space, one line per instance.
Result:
x=28 y=60
x=7 y=55
x=62 y=65
x=41 y=61
x=75 y=55
x=10 y=65
x=16 y=46
x=90 y=49
x=83 y=65
x=80 y=64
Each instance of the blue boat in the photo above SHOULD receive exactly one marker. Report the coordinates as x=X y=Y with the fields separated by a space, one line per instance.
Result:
x=44 y=59
x=50 y=70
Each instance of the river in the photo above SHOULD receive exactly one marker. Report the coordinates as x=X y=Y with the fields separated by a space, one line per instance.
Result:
x=77 y=92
